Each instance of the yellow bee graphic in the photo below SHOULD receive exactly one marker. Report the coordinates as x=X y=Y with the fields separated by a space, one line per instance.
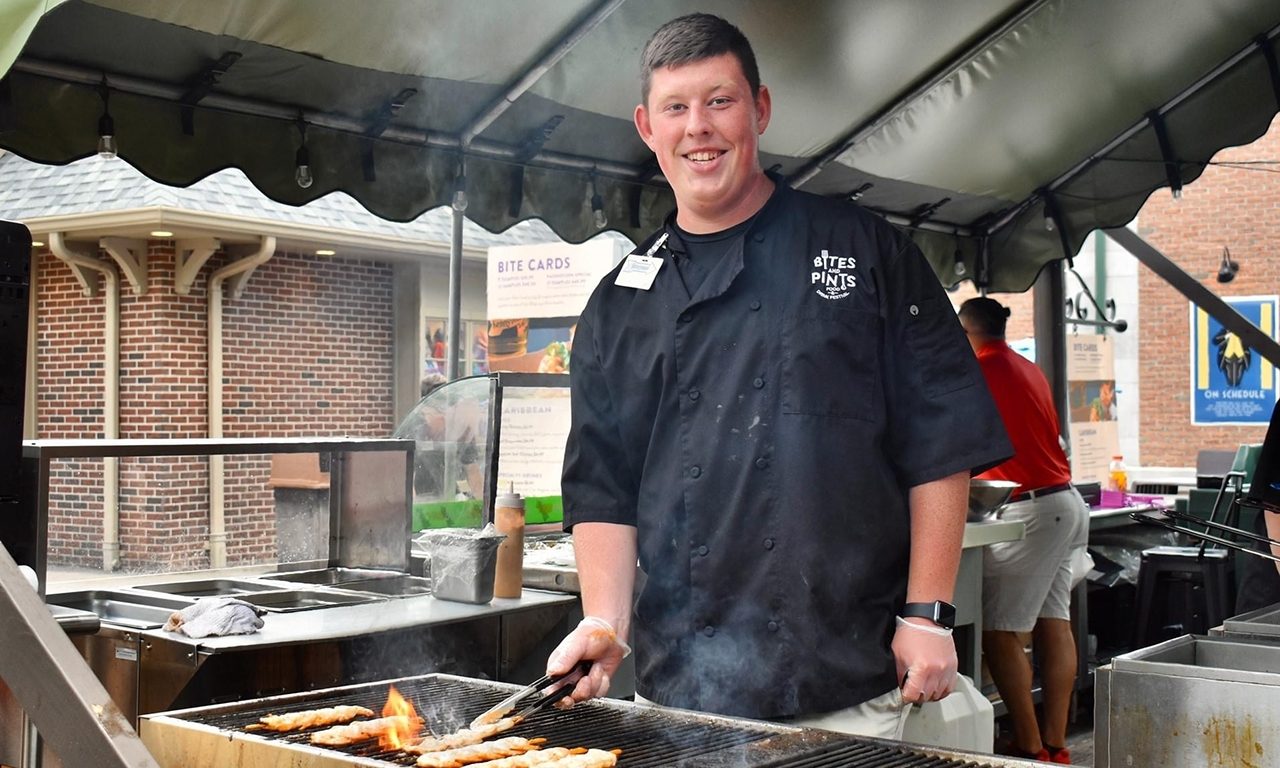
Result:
x=1233 y=357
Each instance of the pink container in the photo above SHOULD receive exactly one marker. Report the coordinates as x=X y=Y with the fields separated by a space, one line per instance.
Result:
x=1112 y=499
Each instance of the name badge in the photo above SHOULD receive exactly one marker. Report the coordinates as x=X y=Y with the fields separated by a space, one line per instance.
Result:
x=638 y=271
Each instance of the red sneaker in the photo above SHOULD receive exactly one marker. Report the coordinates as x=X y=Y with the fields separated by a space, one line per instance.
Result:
x=1009 y=750
x=1060 y=756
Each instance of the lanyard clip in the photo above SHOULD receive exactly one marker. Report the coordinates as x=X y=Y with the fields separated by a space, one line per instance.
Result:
x=661 y=241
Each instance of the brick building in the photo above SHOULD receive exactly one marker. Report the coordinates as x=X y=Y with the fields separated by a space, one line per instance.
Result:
x=326 y=336
x=1235 y=204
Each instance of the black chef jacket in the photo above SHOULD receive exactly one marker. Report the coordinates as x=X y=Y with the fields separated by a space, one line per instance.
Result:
x=762 y=435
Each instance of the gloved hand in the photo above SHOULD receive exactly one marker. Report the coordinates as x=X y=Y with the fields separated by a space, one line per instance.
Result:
x=593 y=640
x=926 y=657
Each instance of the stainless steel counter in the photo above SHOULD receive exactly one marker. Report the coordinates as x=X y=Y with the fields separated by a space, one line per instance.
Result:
x=339 y=622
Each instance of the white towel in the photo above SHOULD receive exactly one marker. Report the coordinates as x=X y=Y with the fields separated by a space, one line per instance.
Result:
x=216 y=616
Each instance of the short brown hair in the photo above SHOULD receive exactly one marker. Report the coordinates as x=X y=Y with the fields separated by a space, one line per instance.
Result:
x=695 y=37
x=988 y=316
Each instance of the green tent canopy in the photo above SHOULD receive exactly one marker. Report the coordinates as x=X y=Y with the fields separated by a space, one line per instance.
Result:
x=999 y=132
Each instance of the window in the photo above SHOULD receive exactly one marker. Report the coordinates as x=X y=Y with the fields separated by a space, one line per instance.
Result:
x=475 y=347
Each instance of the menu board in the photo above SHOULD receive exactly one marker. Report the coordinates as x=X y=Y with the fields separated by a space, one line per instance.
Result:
x=534 y=428
x=535 y=294
x=1091 y=406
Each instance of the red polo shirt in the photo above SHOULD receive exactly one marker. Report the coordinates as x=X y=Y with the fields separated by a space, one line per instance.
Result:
x=1025 y=403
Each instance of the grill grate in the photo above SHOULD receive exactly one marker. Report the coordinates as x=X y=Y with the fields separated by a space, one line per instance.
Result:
x=646 y=737
x=866 y=755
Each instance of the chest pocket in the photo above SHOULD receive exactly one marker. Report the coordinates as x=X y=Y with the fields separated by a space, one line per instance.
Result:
x=831 y=364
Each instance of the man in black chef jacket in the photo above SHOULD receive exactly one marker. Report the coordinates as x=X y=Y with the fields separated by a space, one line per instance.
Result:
x=774 y=410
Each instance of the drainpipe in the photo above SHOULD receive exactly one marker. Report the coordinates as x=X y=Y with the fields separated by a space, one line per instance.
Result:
x=79 y=263
x=238 y=272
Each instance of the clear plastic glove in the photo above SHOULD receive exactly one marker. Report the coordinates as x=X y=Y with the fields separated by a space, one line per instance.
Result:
x=596 y=641
x=926 y=657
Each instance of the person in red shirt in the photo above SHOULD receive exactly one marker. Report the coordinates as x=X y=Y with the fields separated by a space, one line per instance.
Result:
x=1027 y=584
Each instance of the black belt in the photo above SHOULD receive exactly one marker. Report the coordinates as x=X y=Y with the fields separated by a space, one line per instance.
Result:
x=1038 y=492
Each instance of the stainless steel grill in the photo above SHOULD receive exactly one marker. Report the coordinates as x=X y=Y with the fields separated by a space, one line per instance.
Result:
x=646 y=736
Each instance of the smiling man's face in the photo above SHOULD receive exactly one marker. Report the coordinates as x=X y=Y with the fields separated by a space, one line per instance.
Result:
x=704 y=126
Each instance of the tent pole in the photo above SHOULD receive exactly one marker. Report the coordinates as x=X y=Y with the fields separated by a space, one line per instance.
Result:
x=454 y=323
x=1050 y=317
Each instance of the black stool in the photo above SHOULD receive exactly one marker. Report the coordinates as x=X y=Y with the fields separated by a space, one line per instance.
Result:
x=1182 y=590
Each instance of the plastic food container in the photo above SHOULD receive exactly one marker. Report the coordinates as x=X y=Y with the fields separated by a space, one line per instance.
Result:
x=463 y=562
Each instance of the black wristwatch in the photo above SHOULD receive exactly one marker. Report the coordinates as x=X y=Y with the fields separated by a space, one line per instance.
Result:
x=940 y=613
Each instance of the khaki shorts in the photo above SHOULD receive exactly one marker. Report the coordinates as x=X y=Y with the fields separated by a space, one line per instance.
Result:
x=1026 y=580
x=882 y=717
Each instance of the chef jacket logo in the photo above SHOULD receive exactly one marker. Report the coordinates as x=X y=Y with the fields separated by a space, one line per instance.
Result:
x=833 y=275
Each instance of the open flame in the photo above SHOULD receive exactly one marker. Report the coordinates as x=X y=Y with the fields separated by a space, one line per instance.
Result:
x=407 y=726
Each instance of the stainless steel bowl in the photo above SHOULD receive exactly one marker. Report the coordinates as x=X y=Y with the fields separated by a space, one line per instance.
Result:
x=986 y=496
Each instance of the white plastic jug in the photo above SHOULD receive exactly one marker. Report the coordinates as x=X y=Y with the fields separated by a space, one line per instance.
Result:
x=964 y=720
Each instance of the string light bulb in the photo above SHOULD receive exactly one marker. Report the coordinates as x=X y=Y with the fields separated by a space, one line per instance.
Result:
x=598 y=216
x=302 y=168
x=960 y=269
x=460 y=193
x=107 y=148
x=302 y=161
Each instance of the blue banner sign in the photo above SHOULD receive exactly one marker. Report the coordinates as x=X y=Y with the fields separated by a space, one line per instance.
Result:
x=1230 y=383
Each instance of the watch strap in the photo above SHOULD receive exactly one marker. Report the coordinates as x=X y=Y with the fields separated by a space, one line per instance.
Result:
x=941 y=613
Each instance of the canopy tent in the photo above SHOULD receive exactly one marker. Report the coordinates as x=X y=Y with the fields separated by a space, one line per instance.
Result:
x=1000 y=132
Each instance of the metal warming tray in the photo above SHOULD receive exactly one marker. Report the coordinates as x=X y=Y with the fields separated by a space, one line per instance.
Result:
x=208 y=587
x=648 y=737
x=549 y=563
x=1190 y=701
x=126 y=609
x=1262 y=623
x=285 y=600
x=331 y=576
x=391 y=586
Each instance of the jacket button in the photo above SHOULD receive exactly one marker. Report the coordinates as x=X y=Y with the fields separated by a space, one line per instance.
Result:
x=914 y=310
x=773 y=626
x=759 y=237
x=755 y=305
x=758 y=383
x=694 y=394
x=702 y=550
x=695 y=471
x=708 y=630
x=762 y=462
x=768 y=543
x=684 y=317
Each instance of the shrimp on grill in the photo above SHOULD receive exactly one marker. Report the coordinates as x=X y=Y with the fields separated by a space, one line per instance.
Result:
x=461 y=738
x=592 y=758
x=538 y=757
x=364 y=730
x=479 y=753
x=311 y=718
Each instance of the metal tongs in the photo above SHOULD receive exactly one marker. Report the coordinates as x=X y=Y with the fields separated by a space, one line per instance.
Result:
x=504 y=707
